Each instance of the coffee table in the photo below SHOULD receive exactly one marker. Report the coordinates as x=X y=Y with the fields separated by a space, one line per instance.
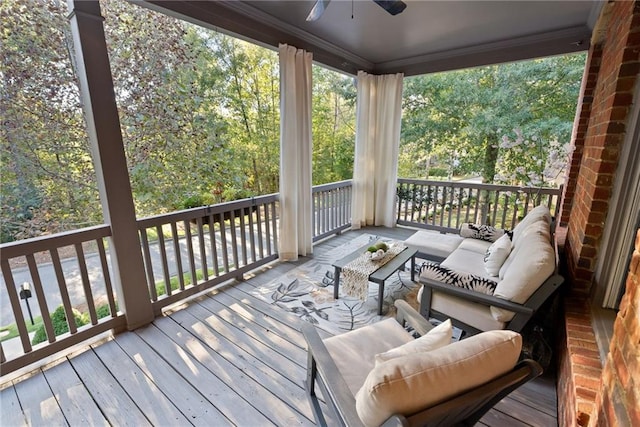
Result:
x=381 y=274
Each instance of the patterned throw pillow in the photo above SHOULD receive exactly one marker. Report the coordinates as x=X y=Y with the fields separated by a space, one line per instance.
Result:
x=496 y=254
x=457 y=278
x=481 y=232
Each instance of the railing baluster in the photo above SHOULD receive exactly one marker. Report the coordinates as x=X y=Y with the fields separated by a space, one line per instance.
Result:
x=163 y=259
x=223 y=244
x=107 y=277
x=42 y=300
x=450 y=211
x=192 y=257
x=178 y=254
x=202 y=247
x=275 y=227
x=146 y=253
x=86 y=284
x=243 y=238
x=213 y=244
x=234 y=239
x=15 y=305
x=64 y=293
x=260 y=236
x=504 y=211
x=496 y=199
x=252 y=235
x=267 y=227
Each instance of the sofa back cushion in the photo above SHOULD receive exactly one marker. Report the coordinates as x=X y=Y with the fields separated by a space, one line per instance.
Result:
x=539 y=213
x=408 y=384
x=533 y=262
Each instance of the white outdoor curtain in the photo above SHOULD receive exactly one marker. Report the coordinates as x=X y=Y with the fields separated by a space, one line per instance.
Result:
x=375 y=171
x=296 y=212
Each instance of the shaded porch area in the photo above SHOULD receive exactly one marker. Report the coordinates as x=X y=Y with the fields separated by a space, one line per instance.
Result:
x=224 y=358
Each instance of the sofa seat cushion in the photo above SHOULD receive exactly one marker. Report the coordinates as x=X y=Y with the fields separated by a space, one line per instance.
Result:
x=471 y=313
x=475 y=245
x=354 y=352
x=466 y=261
x=436 y=245
x=408 y=384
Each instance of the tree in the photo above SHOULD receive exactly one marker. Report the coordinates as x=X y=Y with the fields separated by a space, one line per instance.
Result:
x=471 y=119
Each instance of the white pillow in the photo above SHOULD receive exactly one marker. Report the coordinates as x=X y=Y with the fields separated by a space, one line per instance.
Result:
x=496 y=254
x=408 y=384
x=434 y=339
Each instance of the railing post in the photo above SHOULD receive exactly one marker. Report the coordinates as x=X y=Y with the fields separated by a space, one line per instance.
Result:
x=103 y=127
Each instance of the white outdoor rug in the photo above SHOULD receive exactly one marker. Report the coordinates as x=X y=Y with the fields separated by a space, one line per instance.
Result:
x=307 y=292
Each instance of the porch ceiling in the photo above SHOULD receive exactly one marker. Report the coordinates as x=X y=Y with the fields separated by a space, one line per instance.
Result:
x=429 y=36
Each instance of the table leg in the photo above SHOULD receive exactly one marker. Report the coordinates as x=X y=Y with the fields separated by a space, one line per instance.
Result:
x=380 y=297
x=336 y=282
x=413 y=268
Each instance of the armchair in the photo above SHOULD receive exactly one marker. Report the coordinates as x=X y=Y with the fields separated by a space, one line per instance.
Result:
x=380 y=375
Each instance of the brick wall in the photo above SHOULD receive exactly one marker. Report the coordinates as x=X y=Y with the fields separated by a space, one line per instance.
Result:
x=580 y=368
x=618 y=402
x=579 y=133
x=588 y=393
x=614 y=65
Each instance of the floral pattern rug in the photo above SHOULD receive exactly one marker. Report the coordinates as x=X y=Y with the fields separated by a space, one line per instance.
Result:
x=307 y=292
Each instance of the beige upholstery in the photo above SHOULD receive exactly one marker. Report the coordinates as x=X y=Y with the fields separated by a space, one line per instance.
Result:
x=434 y=339
x=409 y=383
x=433 y=243
x=354 y=352
x=475 y=245
x=468 y=262
x=478 y=315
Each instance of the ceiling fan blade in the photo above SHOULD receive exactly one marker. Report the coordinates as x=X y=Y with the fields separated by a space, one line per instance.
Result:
x=393 y=7
x=318 y=10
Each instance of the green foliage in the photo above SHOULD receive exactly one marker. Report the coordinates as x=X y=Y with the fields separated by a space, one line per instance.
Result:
x=59 y=322
x=491 y=120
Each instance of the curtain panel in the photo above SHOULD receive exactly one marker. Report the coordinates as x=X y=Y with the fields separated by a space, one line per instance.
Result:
x=295 y=229
x=375 y=171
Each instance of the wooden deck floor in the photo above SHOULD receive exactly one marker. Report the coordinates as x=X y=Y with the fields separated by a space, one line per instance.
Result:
x=225 y=358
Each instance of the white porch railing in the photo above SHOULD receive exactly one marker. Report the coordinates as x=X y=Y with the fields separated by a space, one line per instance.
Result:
x=189 y=251
x=331 y=208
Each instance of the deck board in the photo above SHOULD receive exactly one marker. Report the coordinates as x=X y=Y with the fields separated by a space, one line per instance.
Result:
x=227 y=357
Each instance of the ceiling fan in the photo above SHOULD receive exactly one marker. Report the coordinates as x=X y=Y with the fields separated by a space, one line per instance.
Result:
x=393 y=7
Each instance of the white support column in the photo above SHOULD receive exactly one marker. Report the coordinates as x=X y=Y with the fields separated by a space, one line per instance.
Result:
x=103 y=127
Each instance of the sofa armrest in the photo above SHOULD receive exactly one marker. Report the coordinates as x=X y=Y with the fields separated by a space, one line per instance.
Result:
x=488 y=300
x=405 y=314
x=333 y=386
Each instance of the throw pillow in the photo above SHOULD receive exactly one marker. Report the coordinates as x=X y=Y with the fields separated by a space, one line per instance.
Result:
x=496 y=254
x=481 y=232
x=435 y=338
x=456 y=278
x=408 y=384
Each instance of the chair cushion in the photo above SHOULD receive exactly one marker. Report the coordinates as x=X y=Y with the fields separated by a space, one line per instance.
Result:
x=354 y=352
x=496 y=254
x=481 y=232
x=435 y=338
x=408 y=384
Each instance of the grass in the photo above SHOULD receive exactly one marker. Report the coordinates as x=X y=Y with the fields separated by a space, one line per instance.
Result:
x=13 y=329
